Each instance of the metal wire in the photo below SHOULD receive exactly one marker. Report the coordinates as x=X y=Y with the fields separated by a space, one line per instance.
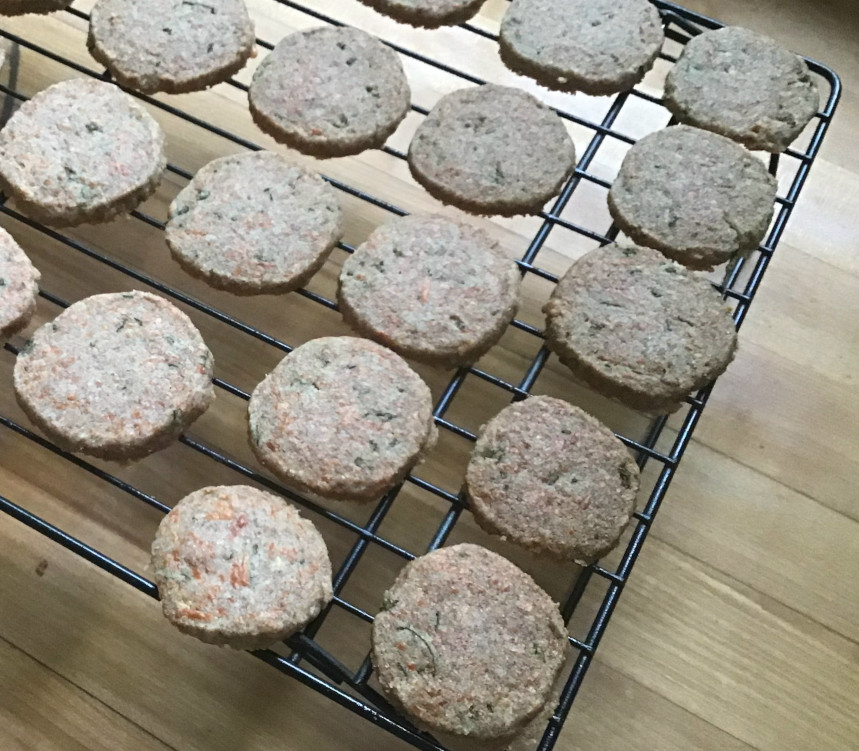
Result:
x=329 y=675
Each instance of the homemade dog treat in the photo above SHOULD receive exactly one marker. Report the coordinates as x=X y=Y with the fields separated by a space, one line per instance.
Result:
x=594 y=46
x=468 y=644
x=171 y=45
x=254 y=223
x=431 y=288
x=469 y=151
x=639 y=328
x=546 y=475
x=330 y=92
x=117 y=376
x=19 y=287
x=696 y=196
x=80 y=151
x=341 y=417
x=240 y=567
x=743 y=85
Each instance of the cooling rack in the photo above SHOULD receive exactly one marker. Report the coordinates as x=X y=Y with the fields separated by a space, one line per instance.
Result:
x=305 y=656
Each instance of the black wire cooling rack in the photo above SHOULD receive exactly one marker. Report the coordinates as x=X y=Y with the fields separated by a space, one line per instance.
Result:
x=306 y=659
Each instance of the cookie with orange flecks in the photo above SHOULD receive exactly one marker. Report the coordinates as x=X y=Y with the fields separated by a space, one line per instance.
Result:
x=239 y=567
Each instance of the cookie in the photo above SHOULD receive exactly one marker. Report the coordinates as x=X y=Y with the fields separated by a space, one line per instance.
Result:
x=330 y=92
x=743 y=85
x=342 y=418
x=431 y=288
x=546 y=475
x=639 y=328
x=20 y=7
x=468 y=644
x=599 y=47
x=239 y=567
x=80 y=151
x=116 y=376
x=469 y=151
x=19 y=287
x=429 y=14
x=696 y=196
x=253 y=223
x=171 y=45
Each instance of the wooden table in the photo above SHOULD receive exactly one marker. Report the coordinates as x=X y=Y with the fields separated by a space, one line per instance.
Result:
x=740 y=626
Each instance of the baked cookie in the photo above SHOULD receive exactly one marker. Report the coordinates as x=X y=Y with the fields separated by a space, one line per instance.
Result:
x=254 y=223
x=639 y=328
x=330 y=92
x=743 y=85
x=239 y=567
x=468 y=644
x=469 y=151
x=696 y=196
x=20 y=7
x=546 y=475
x=341 y=417
x=116 y=376
x=171 y=45
x=596 y=46
x=19 y=287
x=80 y=151
x=431 y=288
x=429 y=14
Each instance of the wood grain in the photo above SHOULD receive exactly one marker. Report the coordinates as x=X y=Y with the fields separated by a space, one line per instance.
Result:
x=740 y=626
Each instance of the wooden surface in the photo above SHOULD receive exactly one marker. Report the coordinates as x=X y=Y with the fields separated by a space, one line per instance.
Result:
x=740 y=626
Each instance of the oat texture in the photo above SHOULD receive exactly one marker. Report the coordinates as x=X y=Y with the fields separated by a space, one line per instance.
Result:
x=330 y=92
x=639 y=327
x=492 y=150
x=117 y=375
x=595 y=46
x=468 y=644
x=431 y=288
x=253 y=223
x=696 y=196
x=546 y=475
x=743 y=85
x=171 y=45
x=19 y=286
x=80 y=151
x=341 y=417
x=239 y=567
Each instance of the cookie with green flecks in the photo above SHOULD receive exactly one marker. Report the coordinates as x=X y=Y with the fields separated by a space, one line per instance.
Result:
x=116 y=376
x=467 y=644
x=639 y=327
x=173 y=46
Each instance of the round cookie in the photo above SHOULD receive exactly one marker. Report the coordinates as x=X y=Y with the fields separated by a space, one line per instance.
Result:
x=19 y=286
x=469 y=151
x=21 y=7
x=341 y=417
x=171 y=45
x=239 y=567
x=431 y=288
x=550 y=477
x=253 y=223
x=80 y=151
x=743 y=85
x=639 y=328
x=116 y=376
x=696 y=196
x=468 y=644
x=596 y=46
x=330 y=92
x=429 y=14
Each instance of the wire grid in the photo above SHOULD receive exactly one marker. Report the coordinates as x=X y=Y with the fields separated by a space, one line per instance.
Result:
x=307 y=661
